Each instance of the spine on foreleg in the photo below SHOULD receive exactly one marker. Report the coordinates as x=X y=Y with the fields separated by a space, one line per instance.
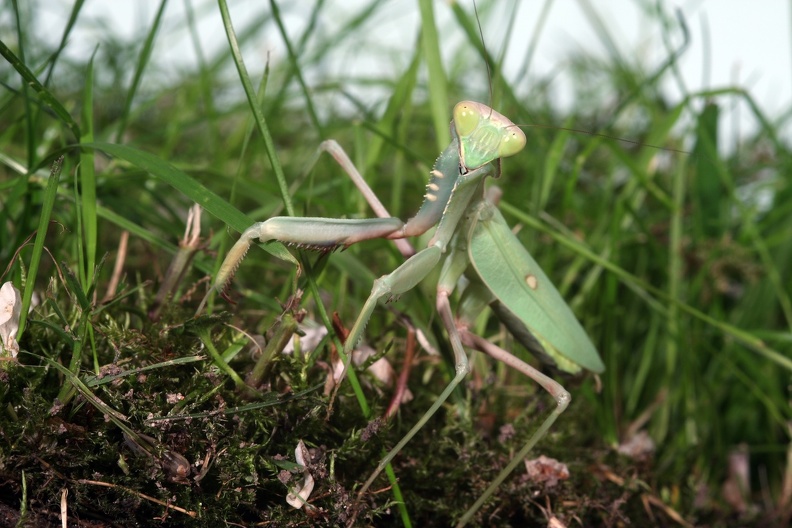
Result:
x=235 y=256
x=438 y=192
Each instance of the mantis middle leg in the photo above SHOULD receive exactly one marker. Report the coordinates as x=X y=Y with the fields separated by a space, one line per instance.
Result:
x=460 y=368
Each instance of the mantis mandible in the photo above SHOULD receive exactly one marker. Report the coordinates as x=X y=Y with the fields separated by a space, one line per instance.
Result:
x=472 y=240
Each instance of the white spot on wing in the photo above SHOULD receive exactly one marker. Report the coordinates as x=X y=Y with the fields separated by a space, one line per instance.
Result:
x=532 y=281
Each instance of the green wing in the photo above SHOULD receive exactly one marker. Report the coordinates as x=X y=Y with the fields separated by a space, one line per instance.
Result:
x=518 y=282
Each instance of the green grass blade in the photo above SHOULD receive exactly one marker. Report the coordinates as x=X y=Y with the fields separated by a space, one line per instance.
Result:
x=707 y=188
x=261 y=122
x=38 y=246
x=140 y=68
x=438 y=84
x=205 y=74
x=295 y=62
x=210 y=201
x=43 y=94
x=88 y=183
x=29 y=134
x=673 y=336
x=73 y=16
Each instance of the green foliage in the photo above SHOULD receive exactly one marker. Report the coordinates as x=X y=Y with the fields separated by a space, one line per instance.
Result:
x=675 y=262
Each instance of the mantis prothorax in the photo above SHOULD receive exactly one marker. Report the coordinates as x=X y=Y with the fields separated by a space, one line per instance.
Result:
x=472 y=240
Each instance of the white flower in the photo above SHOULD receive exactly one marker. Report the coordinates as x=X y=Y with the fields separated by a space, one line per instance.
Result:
x=10 y=308
x=303 y=490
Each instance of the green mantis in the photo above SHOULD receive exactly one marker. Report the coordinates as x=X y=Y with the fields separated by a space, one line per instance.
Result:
x=472 y=241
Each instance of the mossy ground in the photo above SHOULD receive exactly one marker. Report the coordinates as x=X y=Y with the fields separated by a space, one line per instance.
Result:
x=241 y=449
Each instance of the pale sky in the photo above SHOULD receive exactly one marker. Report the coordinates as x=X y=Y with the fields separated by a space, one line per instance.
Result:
x=746 y=44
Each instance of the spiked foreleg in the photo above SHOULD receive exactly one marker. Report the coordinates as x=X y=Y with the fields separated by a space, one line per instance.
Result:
x=323 y=234
x=442 y=180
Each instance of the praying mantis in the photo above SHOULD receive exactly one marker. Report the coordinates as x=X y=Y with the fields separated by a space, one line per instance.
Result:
x=477 y=254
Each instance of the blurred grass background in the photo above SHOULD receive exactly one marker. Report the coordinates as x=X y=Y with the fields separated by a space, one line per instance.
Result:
x=672 y=250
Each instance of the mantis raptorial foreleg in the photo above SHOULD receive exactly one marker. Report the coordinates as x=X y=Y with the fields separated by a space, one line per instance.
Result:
x=325 y=234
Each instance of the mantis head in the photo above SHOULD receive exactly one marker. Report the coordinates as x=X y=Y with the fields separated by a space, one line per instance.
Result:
x=484 y=134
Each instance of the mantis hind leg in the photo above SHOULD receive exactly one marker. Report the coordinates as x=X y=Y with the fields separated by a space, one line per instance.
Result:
x=559 y=394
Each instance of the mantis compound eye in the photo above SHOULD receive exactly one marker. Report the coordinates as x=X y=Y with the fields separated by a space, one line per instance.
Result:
x=512 y=142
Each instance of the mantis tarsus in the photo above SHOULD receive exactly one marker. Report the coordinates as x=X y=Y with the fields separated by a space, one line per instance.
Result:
x=472 y=240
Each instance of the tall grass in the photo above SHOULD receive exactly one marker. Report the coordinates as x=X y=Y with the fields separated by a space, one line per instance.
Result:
x=672 y=250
